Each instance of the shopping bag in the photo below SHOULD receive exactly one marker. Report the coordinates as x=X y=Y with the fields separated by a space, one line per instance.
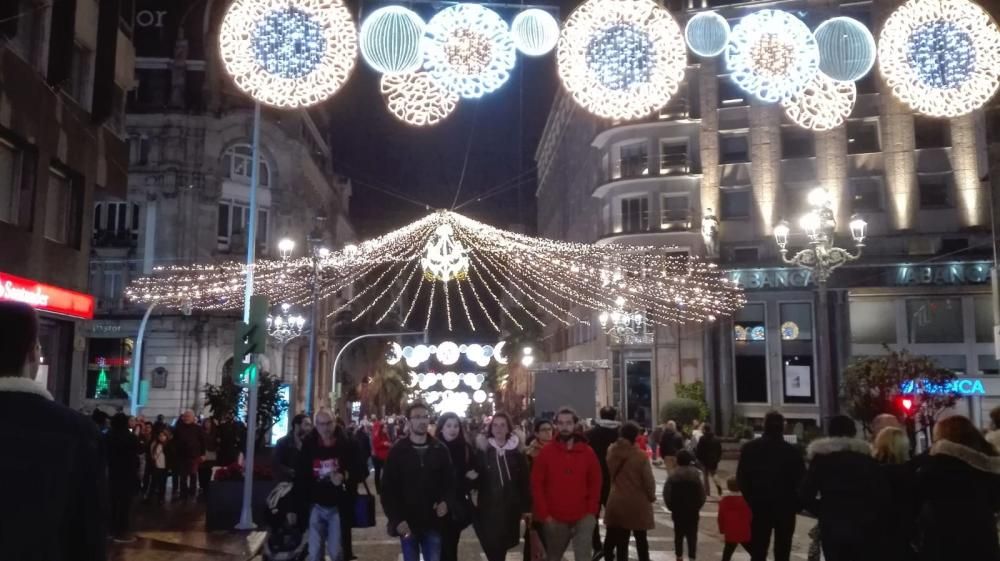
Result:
x=364 y=509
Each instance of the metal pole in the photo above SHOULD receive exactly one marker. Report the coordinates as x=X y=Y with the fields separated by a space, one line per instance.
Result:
x=827 y=387
x=137 y=362
x=336 y=360
x=313 y=332
x=246 y=515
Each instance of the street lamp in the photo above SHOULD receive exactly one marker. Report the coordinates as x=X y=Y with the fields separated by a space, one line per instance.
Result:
x=285 y=327
x=622 y=324
x=821 y=258
x=285 y=248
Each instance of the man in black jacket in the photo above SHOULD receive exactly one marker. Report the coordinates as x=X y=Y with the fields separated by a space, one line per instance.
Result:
x=417 y=486
x=671 y=442
x=601 y=438
x=52 y=471
x=769 y=473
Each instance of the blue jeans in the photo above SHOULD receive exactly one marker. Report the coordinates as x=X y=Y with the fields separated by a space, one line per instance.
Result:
x=324 y=524
x=427 y=543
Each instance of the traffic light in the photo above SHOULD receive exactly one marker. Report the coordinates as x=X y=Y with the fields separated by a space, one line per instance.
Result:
x=907 y=406
x=251 y=338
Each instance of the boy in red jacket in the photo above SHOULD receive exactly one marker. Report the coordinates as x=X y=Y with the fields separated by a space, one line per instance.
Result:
x=734 y=520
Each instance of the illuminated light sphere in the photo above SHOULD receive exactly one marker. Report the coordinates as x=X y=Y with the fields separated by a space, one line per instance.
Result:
x=468 y=48
x=846 y=48
x=823 y=104
x=445 y=258
x=395 y=354
x=487 y=351
x=407 y=351
x=450 y=380
x=447 y=353
x=940 y=58
x=621 y=59
x=707 y=34
x=474 y=352
x=390 y=40
x=414 y=379
x=421 y=353
x=772 y=54
x=479 y=396
x=483 y=361
x=412 y=362
x=288 y=53
x=535 y=32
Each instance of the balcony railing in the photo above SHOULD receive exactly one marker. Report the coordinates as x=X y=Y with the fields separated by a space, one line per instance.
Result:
x=114 y=238
x=636 y=166
x=675 y=164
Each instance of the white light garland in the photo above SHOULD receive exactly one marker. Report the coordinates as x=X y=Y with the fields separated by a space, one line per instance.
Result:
x=772 y=54
x=941 y=57
x=468 y=48
x=445 y=258
x=621 y=59
x=823 y=104
x=417 y=99
x=390 y=40
x=535 y=32
x=288 y=53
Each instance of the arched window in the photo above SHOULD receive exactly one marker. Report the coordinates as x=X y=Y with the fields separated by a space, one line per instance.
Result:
x=237 y=162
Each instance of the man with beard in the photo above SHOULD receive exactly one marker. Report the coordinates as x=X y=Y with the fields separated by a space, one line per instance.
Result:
x=566 y=488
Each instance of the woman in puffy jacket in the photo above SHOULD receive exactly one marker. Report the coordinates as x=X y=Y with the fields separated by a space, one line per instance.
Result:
x=630 y=501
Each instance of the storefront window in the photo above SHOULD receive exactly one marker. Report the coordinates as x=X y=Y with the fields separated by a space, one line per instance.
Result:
x=873 y=321
x=934 y=320
x=955 y=363
x=750 y=349
x=984 y=318
x=797 y=352
x=988 y=365
x=108 y=364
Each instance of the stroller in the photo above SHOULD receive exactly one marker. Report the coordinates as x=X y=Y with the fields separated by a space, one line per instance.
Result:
x=286 y=538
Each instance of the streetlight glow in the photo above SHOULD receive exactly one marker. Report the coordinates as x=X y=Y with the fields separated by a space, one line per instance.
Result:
x=818 y=197
x=781 y=232
x=286 y=246
x=859 y=228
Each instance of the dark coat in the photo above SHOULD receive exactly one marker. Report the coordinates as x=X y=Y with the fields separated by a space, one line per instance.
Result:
x=601 y=438
x=312 y=482
x=230 y=442
x=633 y=489
x=504 y=495
x=189 y=444
x=898 y=527
x=53 y=478
x=413 y=483
x=684 y=493
x=769 y=474
x=709 y=452
x=671 y=442
x=284 y=458
x=958 y=494
x=123 y=451
x=463 y=459
x=851 y=490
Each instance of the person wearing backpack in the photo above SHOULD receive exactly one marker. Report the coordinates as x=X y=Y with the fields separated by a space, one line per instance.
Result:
x=684 y=495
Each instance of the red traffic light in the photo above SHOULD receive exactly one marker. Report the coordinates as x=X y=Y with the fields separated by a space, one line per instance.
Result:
x=907 y=405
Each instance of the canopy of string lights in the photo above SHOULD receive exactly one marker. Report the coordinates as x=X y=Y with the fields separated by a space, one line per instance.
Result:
x=473 y=273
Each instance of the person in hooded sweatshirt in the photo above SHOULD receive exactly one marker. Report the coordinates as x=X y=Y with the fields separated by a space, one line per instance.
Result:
x=630 y=502
x=684 y=495
x=601 y=437
x=846 y=489
x=463 y=460
x=504 y=490
x=958 y=495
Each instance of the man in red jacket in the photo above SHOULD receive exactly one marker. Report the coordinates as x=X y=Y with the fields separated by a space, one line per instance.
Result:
x=566 y=489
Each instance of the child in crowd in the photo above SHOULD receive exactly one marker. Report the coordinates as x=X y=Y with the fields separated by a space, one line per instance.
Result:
x=684 y=495
x=158 y=462
x=734 y=520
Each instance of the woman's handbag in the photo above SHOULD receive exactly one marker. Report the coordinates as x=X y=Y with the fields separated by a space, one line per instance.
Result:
x=364 y=509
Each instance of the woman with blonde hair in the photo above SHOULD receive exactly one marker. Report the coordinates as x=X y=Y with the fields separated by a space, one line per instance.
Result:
x=892 y=451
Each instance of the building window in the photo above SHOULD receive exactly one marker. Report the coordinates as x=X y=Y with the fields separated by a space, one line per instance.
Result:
x=797 y=142
x=116 y=221
x=862 y=137
x=111 y=288
x=731 y=95
x=632 y=160
x=674 y=208
x=866 y=194
x=984 y=318
x=873 y=321
x=62 y=209
x=234 y=217
x=935 y=190
x=750 y=350
x=931 y=133
x=674 y=157
x=237 y=162
x=11 y=166
x=633 y=215
x=988 y=365
x=934 y=320
x=138 y=149
x=108 y=365
x=734 y=203
x=733 y=148
x=81 y=77
x=29 y=40
x=796 y=330
x=746 y=254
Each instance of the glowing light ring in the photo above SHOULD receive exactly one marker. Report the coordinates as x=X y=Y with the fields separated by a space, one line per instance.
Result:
x=823 y=104
x=417 y=99
x=772 y=54
x=707 y=34
x=846 y=48
x=468 y=48
x=390 y=40
x=940 y=58
x=448 y=354
x=621 y=59
x=288 y=72
x=534 y=32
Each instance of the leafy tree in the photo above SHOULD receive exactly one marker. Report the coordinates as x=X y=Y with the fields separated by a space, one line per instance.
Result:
x=873 y=385
x=682 y=411
x=694 y=391
x=228 y=397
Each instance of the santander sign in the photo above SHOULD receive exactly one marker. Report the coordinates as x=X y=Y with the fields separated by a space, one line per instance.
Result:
x=45 y=297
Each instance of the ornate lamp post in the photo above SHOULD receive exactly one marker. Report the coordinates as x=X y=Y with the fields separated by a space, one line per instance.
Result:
x=821 y=258
x=285 y=327
x=621 y=324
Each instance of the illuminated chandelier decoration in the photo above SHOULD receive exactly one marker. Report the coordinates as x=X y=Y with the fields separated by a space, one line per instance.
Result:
x=288 y=53
x=285 y=327
x=479 y=274
x=417 y=99
x=622 y=324
x=468 y=48
x=772 y=55
x=823 y=104
x=941 y=57
x=621 y=59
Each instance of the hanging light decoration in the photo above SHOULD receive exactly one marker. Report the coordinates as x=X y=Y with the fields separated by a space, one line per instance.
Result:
x=285 y=327
x=772 y=54
x=468 y=48
x=846 y=48
x=417 y=99
x=288 y=53
x=942 y=58
x=823 y=104
x=621 y=59
x=707 y=34
x=390 y=40
x=535 y=32
x=444 y=258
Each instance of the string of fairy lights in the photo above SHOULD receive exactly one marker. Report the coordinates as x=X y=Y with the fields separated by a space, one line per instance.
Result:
x=467 y=269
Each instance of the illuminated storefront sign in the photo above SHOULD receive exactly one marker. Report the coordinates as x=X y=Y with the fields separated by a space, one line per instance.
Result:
x=46 y=298
x=962 y=386
x=942 y=274
x=755 y=279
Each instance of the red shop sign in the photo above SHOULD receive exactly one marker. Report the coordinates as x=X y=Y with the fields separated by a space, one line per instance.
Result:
x=46 y=298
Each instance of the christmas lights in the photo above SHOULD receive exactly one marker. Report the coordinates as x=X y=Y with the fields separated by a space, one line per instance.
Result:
x=535 y=32
x=417 y=99
x=846 y=48
x=707 y=34
x=390 y=40
x=772 y=55
x=468 y=48
x=621 y=59
x=288 y=53
x=941 y=57
x=823 y=104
